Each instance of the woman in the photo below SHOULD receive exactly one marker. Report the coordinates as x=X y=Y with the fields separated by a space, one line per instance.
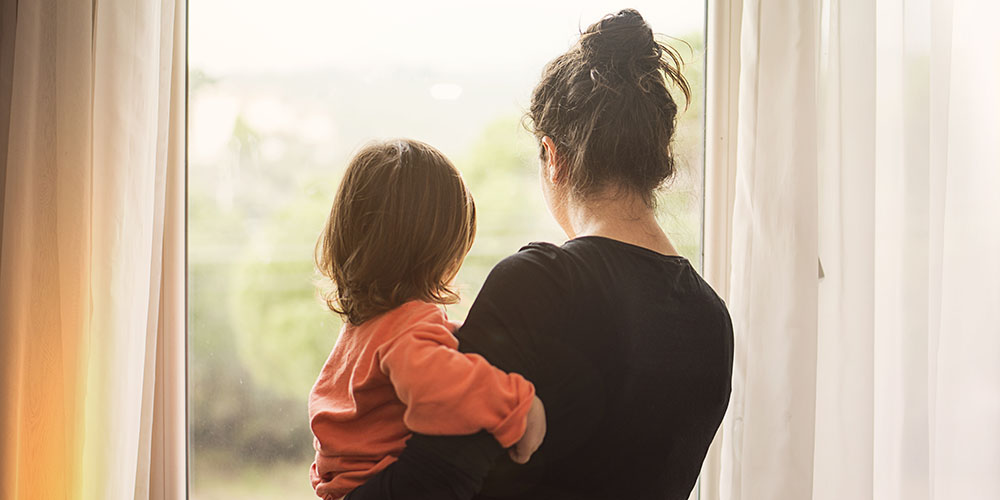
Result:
x=629 y=349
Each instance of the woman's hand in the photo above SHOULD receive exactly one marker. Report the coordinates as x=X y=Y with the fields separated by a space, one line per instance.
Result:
x=533 y=435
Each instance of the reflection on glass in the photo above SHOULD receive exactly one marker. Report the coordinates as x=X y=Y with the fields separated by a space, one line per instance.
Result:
x=279 y=99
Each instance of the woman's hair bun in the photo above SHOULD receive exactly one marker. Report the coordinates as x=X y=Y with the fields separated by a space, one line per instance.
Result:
x=620 y=40
x=606 y=104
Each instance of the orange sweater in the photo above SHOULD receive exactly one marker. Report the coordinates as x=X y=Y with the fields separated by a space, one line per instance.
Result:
x=400 y=373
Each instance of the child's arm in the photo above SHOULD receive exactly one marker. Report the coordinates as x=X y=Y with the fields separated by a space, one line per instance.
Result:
x=447 y=392
x=533 y=435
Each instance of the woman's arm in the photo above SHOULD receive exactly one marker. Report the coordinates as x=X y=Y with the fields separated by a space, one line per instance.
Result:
x=434 y=468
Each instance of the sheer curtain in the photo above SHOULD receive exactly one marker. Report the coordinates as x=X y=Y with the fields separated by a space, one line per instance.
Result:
x=92 y=249
x=869 y=137
x=767 y=435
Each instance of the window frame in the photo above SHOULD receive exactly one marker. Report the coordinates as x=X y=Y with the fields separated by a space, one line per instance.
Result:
x=721 y=80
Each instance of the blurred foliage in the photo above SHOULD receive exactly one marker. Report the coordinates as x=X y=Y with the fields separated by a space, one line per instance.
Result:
x=283 y=329
x=500 y=168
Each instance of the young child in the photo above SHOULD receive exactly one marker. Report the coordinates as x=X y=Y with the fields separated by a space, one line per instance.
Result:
x=400 y=227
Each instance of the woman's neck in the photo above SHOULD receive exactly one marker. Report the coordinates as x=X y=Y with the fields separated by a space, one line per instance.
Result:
x=624 y=218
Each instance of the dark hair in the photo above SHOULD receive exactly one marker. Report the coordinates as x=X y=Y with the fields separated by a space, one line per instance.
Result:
x=400 y=225
x=606 y=106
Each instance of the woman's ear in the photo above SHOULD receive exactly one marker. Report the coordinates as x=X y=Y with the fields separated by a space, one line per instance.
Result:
x=553 y=171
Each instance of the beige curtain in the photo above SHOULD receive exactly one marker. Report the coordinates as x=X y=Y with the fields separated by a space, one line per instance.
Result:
x=92 y=250
x=865 y=283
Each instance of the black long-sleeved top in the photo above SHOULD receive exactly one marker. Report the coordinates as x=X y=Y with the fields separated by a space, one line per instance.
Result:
x=630 y=351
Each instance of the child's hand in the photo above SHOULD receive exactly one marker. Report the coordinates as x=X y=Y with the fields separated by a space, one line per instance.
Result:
x=533 y=435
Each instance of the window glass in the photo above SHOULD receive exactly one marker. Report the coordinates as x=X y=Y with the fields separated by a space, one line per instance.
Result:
x=281 y=94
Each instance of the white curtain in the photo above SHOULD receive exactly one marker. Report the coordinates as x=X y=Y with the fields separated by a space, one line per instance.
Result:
x=865 y=280
x=768 y=432
x=92 y=250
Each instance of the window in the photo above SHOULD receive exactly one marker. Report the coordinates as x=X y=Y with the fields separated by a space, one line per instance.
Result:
x=280 y=96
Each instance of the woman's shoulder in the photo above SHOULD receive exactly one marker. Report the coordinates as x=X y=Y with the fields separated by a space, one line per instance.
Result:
x=537 y=275
x=536 y=263
x=539 y=249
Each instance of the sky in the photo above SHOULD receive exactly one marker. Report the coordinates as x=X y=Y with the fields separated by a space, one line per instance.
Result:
x=230 y=36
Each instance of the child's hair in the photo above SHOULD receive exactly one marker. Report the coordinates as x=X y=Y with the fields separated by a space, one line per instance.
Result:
x=401 y=223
